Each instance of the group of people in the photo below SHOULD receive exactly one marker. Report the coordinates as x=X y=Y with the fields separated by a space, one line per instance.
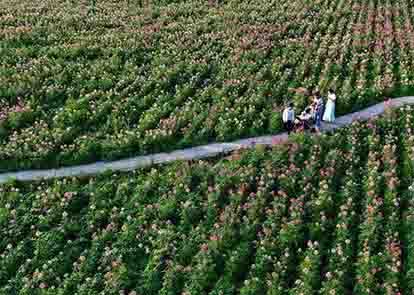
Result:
x=313 y=114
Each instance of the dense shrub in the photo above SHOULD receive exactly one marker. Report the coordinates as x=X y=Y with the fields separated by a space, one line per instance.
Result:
x=329 y=215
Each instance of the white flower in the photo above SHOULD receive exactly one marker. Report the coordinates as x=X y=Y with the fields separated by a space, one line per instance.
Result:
x=328 y=275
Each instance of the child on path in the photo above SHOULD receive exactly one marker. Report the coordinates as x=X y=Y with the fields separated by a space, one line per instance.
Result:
x=288 y=117
x=305 y=119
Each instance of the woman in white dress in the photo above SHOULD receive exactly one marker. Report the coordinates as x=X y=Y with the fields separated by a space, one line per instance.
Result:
x=329 y=115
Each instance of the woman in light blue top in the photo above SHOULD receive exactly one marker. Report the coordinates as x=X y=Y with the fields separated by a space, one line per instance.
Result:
x=329 y=115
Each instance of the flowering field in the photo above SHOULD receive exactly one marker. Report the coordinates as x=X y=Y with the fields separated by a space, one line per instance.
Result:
x=102 y=79
x=328 y=215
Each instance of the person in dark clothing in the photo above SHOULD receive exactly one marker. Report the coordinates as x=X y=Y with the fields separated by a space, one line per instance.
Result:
x=319 y=110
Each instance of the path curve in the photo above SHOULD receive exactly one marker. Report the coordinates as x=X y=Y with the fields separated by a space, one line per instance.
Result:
x=194 y=153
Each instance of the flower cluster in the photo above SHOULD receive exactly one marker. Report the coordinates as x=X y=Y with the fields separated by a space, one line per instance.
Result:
x=331 y=214
x=114 y=79
x=19 y=107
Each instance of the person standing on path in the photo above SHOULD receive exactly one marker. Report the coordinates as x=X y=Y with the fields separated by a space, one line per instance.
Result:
x=318 y=111
x=288 y=117
x=329 y=114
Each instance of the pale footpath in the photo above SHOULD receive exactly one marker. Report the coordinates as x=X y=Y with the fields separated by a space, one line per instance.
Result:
x=195 y=153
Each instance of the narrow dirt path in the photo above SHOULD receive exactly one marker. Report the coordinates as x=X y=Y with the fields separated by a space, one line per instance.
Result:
x=194 y=153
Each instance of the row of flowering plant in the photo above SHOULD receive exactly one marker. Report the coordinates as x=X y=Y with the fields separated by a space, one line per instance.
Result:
x=331 y=214
x=341 y=253
x=370 y=256
x=135 y=79
x=392 y=210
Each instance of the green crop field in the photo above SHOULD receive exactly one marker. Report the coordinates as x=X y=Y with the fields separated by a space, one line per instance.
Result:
x=94 y=80
x=326 y=215
x=89 y=80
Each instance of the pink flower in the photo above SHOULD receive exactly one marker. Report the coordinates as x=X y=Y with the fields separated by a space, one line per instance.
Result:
x=276 y=141
x=214 y=238
x=388 y=102
x=204 y=247
x=370 y=125
x=42 y=286
x=68 y=195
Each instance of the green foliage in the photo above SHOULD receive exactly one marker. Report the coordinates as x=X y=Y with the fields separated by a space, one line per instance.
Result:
x=315 y=214
x=111 y=79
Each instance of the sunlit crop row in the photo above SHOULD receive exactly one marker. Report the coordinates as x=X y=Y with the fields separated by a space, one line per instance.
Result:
x=92 y=80
x=326 y=215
